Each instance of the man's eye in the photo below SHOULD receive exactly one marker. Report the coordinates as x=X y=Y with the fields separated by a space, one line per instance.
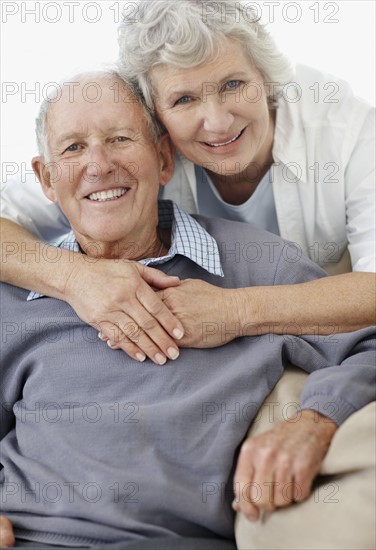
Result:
x=72 y=148
x=121 y=139
x=183 y=99
x=232 y=84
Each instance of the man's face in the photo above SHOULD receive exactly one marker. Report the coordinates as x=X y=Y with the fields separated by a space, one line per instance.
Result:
x=105 y=169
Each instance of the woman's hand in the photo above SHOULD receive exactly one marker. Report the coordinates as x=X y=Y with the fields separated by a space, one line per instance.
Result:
x=209 y=314
x=7 y=539
x=116 y=297
x=278 y=467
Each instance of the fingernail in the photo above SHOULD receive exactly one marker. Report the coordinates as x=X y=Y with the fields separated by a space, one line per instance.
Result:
x=100 y=336
x=178 y=334
x=173 y=353
x=140 y=357
x=160 y=359
x=110 y=344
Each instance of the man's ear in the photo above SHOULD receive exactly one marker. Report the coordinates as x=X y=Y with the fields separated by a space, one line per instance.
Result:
x=166 y=152
x=43 y=174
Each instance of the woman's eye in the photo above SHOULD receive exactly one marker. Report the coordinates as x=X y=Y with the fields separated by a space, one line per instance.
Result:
x=121 y=139
x=232 y=84
x=182 y=100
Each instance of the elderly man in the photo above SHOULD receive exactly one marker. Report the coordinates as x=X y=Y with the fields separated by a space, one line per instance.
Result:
x=97 y=449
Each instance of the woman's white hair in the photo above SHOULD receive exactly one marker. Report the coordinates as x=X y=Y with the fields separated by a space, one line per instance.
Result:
x=41 y=122
x=186 y=33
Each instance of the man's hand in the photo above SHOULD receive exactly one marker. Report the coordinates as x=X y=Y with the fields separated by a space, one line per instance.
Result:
x=7 y=539
x=209 y=314
x=278 y=467
x=116 y=298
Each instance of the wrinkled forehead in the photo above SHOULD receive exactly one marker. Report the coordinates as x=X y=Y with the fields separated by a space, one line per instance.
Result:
x=226 y=54
x=104 y=98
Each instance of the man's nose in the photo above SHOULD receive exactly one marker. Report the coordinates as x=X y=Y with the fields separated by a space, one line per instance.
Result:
x=217 y=117
x=100 y=161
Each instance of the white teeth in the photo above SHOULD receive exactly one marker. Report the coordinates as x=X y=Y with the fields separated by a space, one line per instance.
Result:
x=111 y=194
x=226 y=142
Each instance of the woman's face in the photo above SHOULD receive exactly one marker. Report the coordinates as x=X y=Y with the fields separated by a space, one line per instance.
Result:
x=217 y=113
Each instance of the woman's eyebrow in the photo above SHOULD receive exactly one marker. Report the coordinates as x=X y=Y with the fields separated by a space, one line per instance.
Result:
x=234 y=75
x=181 y=90
x=191 y=89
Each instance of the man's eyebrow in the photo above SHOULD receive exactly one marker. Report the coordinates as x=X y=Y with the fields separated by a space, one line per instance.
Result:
x=121 y=129
x=69 y=137
x=74 y=136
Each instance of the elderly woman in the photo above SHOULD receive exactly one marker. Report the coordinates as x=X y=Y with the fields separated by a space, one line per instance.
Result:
x=262 y=149
x=291 y=152
x=96 y=450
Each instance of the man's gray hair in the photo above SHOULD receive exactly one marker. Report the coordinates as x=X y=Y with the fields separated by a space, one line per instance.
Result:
x=41 y=122
x=186 y=33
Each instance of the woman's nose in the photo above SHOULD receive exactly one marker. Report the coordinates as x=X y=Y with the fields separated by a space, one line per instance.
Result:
x=217 y=116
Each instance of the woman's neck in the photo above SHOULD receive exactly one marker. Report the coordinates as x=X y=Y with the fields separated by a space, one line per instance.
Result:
x=238 y=187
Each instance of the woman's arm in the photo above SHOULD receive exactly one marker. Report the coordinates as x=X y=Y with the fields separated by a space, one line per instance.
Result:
x=328 y=305
x=325 y=306
x=114 y=297
x=341 y=303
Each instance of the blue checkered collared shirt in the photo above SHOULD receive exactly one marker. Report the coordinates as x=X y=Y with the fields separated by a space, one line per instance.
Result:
x=188 y=239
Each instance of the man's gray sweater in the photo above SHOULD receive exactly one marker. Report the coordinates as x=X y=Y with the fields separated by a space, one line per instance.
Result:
x=99 y=448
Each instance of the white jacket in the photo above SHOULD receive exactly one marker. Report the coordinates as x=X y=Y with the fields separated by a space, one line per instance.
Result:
x=323 y=177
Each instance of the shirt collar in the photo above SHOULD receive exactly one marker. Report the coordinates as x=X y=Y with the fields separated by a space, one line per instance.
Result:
x=188 y=238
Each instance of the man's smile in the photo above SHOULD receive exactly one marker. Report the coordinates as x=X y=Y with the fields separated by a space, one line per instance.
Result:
x=108 y=195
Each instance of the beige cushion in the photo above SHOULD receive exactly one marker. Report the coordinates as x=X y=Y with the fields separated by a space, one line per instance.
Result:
x=340 y=513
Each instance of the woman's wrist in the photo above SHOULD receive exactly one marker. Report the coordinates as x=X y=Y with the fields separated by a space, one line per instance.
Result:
x=251 y=312
x=73 y=269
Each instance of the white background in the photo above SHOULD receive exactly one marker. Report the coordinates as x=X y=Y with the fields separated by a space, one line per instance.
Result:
x=338 y=37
